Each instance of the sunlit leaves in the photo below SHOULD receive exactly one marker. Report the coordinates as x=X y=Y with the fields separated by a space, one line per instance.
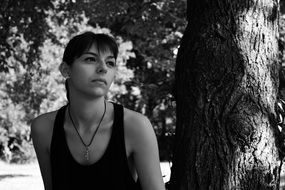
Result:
x=34 y=33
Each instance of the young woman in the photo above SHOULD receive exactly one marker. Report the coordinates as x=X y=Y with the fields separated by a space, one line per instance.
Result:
x=91 y=143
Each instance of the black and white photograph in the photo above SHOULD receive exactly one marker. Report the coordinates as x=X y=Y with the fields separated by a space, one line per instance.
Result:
x=142 y=95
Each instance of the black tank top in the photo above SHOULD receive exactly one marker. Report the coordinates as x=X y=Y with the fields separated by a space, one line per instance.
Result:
x=110 y=172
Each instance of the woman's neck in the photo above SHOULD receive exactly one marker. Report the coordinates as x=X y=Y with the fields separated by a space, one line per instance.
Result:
x=86 y=113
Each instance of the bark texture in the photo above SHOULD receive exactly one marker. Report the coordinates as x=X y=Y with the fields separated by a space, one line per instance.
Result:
x=226 y=89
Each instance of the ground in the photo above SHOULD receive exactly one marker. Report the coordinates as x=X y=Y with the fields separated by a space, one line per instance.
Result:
x=16 y=177
x=28 y=177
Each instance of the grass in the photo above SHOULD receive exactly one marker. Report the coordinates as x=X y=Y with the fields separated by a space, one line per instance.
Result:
x=28 y=177
x=16 y=177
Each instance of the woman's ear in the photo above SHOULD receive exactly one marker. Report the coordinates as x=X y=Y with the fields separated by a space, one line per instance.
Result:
x=65 y=70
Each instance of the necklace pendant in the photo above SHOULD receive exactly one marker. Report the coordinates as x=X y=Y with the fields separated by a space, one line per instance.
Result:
x=86 y=154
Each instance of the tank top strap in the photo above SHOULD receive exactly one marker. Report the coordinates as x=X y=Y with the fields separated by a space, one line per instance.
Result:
x=118 y=139
x=121 y=147
x=58 y=132
x=59 y=120
x=119 y=115
x=57 y=152
x=118 y=125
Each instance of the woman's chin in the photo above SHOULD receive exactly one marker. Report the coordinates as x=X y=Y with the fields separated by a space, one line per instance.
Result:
x=97 y=93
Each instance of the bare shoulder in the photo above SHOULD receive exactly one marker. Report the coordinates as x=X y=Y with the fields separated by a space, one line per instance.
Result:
x=42 y=127
x=135 y=121
x=142 y=144
x=43 y=122
x=138 y=130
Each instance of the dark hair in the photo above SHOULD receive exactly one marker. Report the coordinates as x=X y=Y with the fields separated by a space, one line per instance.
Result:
x=78 y=44
x=82 y=42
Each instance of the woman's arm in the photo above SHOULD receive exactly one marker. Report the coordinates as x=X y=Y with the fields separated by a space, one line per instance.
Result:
x=144 y=147
x=41 y=136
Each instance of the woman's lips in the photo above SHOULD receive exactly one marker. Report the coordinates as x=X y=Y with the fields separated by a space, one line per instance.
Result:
x=100 y=81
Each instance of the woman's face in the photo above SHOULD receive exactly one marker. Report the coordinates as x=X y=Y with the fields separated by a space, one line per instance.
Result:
x=93 y=72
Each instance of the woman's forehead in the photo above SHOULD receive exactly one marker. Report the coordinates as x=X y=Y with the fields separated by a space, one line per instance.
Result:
x=102 y=49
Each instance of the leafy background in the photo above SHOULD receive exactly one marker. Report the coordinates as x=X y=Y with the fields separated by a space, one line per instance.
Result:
x=33 y=35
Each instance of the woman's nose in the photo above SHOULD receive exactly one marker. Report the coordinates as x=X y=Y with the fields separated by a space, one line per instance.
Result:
x=101 y=68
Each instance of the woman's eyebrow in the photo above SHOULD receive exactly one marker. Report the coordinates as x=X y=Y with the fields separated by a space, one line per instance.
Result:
x=96 y=55
x=110 y=57
x=91 y=53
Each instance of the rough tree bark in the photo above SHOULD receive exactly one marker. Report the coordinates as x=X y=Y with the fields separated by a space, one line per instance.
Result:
x=226 y=88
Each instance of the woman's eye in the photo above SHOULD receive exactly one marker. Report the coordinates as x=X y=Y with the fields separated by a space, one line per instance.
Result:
x=90 y=59
x=111 y=63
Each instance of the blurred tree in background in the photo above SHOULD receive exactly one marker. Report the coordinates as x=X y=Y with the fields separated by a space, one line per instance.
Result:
x=23 y=30
x=34 y=34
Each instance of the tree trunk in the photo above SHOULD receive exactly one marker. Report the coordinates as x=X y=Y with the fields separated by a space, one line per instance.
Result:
x=226 y=89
